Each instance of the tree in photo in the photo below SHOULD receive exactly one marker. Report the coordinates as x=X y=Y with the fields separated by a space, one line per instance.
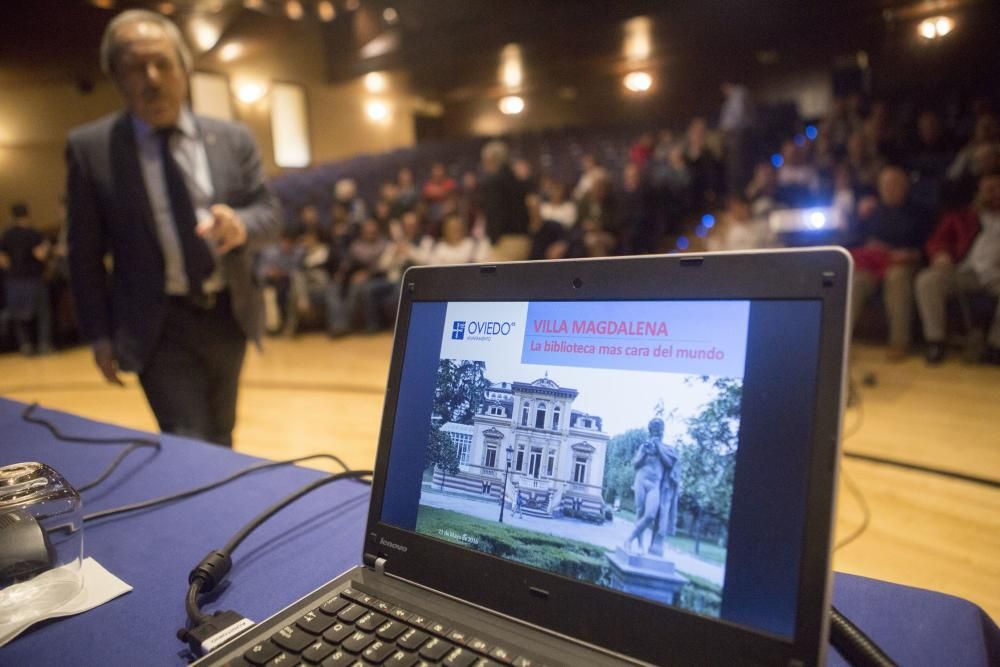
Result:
x=708 y=458
x=460 y=390
x=441 y=452
x=618 y=470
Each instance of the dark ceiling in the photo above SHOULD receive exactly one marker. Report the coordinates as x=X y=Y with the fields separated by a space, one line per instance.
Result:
x=450 y=48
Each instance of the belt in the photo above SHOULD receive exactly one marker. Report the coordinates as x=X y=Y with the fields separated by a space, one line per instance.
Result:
x=206 y=301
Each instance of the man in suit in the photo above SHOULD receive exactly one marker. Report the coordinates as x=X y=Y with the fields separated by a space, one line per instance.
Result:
x=179 y=203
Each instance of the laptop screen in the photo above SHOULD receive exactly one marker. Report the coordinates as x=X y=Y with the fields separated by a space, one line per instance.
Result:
x=655 y=448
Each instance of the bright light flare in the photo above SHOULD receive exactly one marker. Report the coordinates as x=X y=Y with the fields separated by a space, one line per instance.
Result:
x=511 y=105
x=376 y=82
x=377 y=111
x=638 y=82
x=250 y=92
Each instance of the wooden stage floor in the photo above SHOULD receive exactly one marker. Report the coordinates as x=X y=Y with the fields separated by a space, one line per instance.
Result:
x=312 y=394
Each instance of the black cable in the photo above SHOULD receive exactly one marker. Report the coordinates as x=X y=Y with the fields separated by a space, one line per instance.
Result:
x=133 y=444
x=208 y=487
x=212 y=569
x=986 y=481
x=866 y=513
x=855 y=646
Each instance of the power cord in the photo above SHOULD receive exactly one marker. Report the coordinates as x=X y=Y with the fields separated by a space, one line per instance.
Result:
x=855 y=646
x=28 y=415
x=208 y=631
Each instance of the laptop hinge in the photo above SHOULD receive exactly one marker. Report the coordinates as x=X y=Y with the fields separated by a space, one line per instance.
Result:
x=369 y=559
x=380 y=564
x=377 y=563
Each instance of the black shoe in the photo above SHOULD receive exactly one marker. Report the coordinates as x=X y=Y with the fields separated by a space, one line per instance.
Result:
x=935 y=353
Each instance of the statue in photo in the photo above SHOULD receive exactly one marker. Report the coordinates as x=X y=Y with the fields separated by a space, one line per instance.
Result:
x=656 y=487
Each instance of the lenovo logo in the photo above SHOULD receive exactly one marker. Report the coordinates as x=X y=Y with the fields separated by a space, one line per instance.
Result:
x=392 y=545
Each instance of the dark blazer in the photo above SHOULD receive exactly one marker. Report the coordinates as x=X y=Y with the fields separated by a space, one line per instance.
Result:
x=109 y=213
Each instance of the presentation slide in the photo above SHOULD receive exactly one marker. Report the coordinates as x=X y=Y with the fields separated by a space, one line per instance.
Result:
x=596 y=440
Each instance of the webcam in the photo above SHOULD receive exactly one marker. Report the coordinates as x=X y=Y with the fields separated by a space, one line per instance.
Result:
x=577 y=283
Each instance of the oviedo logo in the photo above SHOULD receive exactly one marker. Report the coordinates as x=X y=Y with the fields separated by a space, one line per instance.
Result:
x=480 y=329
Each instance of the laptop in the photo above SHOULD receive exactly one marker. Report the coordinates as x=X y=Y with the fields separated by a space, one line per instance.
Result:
x=595 y=462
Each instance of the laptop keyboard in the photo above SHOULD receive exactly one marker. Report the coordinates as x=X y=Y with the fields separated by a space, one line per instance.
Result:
x=355 y=629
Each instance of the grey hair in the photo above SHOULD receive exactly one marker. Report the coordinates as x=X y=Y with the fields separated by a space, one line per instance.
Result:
x=111 y=47
x=496 y=151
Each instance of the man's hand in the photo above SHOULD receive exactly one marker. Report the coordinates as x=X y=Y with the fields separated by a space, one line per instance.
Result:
x=941 y=259
x=104 y=357
x=226 y=230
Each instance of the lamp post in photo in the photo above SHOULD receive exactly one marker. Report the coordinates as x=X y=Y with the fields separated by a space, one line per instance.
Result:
x=503 y=495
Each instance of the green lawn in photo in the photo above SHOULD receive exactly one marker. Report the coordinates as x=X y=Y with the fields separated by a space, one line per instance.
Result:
x=707 y=551
x=571 y=558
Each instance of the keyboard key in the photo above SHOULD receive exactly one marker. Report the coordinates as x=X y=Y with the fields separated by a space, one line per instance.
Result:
x=485 y=662
x=458 y=637
x=401 y=614
x=357 y=642
x=261 y=653
x=338 y=632
x=370 y=621
x=333 y=606
x=402 y=659
x=352 y=612
x=292 y=638
x=318 y=651
x=420 y=621
x=477 y=644
x=383 y=606
x=460 y=657
x=503 y=655
x=283 y=659
x=390 y=630
x=378 y=652
x=436 y=649
x=352 y=594
x=338 y=659
x=438 y=628
x=521 y=661
x=412 y=639
x=315 y=622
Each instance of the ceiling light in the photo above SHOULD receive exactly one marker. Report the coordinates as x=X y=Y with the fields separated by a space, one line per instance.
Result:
x=250 y=92
x=375 y=82
x=204 y=33
x=511 y=67
x=293 y=9
x=638 y=44
x=326 y=11
x=390 y=15
x=230 y=52
x=377 y=110
x=638 y=82
x=937 y=26
x=511 y=105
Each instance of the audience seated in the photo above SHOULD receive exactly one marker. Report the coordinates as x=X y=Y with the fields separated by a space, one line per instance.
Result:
x=891 y=235
x=457 y=246
x=346 y=288
x=739 y=230
x=964 y=253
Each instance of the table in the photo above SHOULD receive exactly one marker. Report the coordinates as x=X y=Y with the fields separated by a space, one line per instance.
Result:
x=308 y=544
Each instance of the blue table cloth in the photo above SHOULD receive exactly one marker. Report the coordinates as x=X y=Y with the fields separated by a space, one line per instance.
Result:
x=308 y=544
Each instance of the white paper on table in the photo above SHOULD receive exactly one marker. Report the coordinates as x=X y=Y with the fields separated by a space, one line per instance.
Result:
x=99 y=586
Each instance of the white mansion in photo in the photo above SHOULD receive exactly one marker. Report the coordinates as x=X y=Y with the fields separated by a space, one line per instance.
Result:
x=556 y=454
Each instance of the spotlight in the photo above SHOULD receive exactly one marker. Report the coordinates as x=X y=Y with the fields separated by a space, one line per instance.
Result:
x=377 y=111
x=935 y=27
x=390 y=15
x=293 y=9
x=230 y=52
x=326 y=11
x=638 y=82
x=375 y=82
x=811 y=132
x=511 y=105
x=817 y=219
x=250 y=92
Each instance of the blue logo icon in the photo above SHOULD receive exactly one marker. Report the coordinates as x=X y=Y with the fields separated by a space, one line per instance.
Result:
x=458 y=330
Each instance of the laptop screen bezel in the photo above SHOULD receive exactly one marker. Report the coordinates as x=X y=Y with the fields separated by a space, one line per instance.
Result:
x=822 y=274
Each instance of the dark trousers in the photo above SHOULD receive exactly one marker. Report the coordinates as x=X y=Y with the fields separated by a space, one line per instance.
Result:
x=193 y=373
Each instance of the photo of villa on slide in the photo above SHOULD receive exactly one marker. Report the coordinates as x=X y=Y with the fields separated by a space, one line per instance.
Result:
x=622 y=479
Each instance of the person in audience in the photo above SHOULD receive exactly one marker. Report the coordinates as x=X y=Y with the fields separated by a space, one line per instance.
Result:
x=590 y=173
x=735 y=120
x=343 y=294
x=382 y=213
x=702 y=164
x=762 y=190
x=892 y=233
x=642 y=150
x=927 y=160
x=276 y=267
x=457 y=246
x=525 y=173
x=598 y=233
x=973 y=160
x=23 y=256
x=738 y=230
x=408 y=246
x=309 y=221
x=881 y=134
x=964 y=254
x=840 y=123
x=408 y=194
x=309 y=281
x=389 y=193
x=345 y=193
x=469 y=203
x=797 y=180
x=437 y=190
x=504 y=207
x=863 y=165
x=640 y=232
x=556 y=208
